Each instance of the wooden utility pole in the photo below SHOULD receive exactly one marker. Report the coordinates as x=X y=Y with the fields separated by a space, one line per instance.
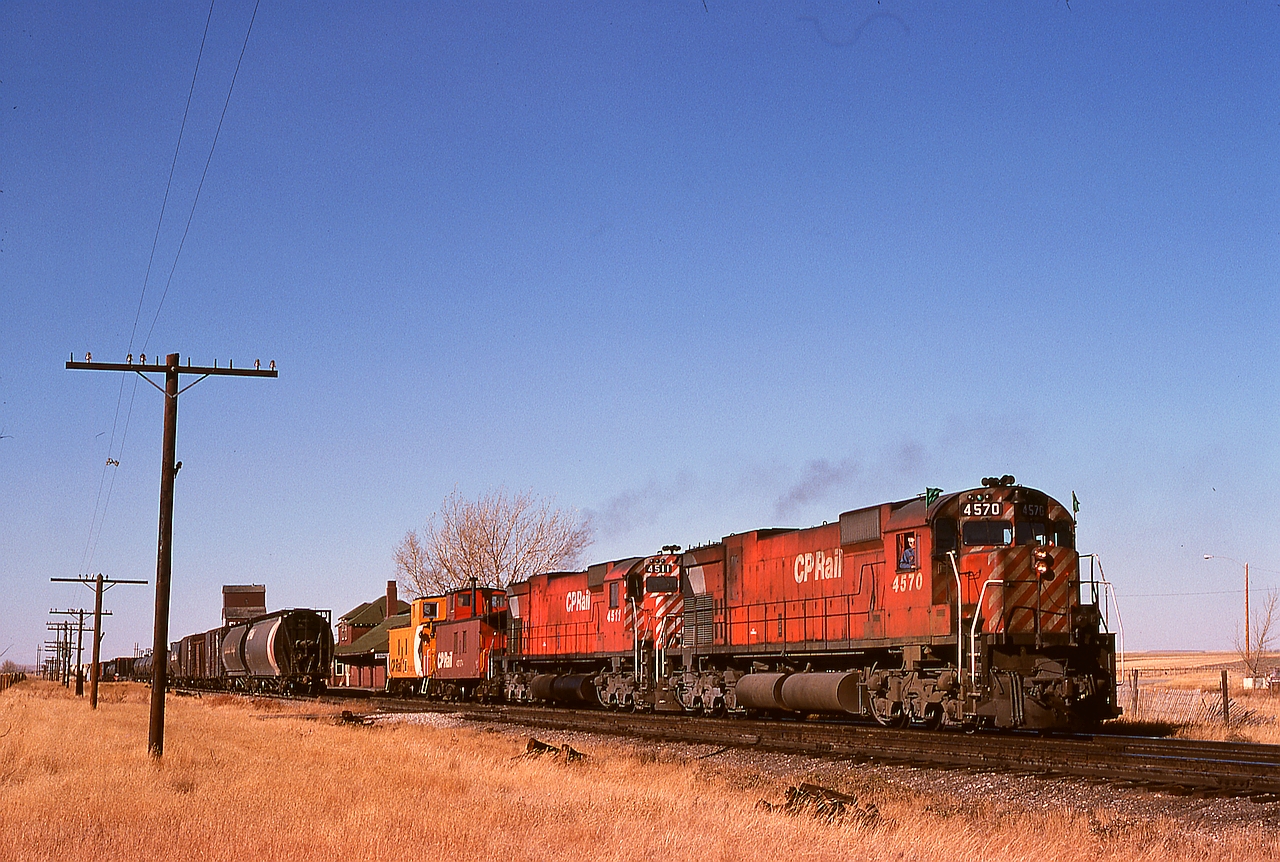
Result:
x=100 y=584
x=62 y=650
x=168 y=471
x=80 y=614
x=1248 y=647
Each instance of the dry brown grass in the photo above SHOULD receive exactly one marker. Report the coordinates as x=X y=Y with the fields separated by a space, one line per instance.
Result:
x=1202 y=672
x=76 y=784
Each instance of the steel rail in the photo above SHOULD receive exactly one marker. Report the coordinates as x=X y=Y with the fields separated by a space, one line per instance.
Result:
x=1235 y=769
x=1185 y=765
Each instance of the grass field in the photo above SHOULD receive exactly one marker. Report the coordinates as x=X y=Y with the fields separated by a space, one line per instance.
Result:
x=1256 y=713
x=244 y=780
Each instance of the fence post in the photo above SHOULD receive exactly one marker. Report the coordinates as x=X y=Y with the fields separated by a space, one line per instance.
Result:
x=1226 y=701
x=1133 y=694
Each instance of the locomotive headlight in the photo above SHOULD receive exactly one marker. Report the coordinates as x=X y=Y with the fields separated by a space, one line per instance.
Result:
x=1042 y=562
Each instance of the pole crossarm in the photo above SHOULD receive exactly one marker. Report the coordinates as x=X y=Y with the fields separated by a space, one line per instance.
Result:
x=107 y=583
x=205 y=370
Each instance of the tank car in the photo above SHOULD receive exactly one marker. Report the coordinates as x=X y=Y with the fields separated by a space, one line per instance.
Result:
x=964 y=609
x=288 y=651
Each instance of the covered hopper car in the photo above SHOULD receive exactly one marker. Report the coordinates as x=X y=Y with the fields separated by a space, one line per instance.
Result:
x=288 y=652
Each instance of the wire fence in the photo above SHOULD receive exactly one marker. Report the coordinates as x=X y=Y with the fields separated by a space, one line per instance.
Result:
x=1148 y=703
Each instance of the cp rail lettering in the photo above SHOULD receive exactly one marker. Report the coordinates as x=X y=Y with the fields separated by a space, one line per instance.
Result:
x=819 y=565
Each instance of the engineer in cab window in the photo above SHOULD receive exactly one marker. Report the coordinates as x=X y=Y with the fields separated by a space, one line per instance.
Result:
x=906 y=552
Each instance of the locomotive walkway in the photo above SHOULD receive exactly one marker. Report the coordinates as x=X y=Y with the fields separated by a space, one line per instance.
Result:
x=1176 y=765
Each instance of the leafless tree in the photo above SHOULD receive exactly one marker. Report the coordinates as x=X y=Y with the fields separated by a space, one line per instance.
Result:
x=497 y=539
x=1261 y=634
x=411 y=563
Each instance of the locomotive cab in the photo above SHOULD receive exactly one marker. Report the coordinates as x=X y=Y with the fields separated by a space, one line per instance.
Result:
x=1031 y=661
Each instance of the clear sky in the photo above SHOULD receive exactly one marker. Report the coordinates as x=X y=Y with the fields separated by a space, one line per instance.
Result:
x=692 y=268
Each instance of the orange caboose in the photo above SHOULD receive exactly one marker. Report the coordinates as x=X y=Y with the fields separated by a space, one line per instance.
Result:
x=411 y=648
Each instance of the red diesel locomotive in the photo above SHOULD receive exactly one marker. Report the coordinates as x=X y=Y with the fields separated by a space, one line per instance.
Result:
x=965 y=610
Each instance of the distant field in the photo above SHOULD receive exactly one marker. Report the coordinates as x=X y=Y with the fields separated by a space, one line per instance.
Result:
x=246 y=780
x=1193 y=680
x=1175 y=660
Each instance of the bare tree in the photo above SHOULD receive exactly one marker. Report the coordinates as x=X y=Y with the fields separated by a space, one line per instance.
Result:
x=411 y=563
x=497 y=539
x=1261 y=634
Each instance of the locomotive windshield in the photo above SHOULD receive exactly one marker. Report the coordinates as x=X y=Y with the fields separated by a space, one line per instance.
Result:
x=1056 y=533
x=988 y=533
x=1030 y=533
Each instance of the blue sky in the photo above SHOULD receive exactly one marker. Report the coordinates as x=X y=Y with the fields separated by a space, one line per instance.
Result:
x=692 y=270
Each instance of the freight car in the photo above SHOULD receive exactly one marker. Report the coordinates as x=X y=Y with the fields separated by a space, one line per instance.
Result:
x=288 y=652
x=446 y=650
x=961 y=610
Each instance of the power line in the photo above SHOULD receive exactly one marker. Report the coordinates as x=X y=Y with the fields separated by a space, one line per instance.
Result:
x=91 y=544
x=173 y=166
x=155 y=241
x=1166 y=595
x=226 y=104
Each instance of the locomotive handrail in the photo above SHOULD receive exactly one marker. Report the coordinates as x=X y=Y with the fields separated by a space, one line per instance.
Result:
x=959 y=618
x=973 y=633
x=1108 y=590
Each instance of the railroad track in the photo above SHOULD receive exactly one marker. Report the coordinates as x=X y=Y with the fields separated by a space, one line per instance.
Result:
x=1177 y=765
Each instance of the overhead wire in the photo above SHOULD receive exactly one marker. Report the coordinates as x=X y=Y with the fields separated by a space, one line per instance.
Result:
x=226 y=104
x=91 y=545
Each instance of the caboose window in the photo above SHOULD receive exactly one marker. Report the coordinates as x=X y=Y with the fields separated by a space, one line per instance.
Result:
x=465 y=600
x=1030 y=533
x=988 y=533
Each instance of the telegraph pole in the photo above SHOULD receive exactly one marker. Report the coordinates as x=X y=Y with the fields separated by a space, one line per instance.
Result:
x=80 y=614
x=168 y=470
x=100 y=584
x=62 y=647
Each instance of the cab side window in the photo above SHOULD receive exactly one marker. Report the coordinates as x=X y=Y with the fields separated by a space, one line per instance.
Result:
x=1063 y=535
x=907 y=552
x=944 y=535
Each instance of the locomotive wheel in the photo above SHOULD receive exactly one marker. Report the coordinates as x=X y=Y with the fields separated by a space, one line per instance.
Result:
x=888 y=713
x=932 y=719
